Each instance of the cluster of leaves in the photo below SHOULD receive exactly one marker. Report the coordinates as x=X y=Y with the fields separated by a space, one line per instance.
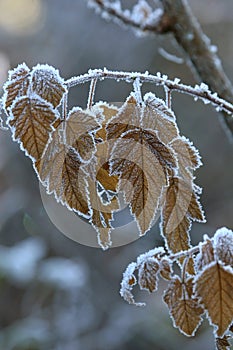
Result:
x=189 y=297
x=86 y=157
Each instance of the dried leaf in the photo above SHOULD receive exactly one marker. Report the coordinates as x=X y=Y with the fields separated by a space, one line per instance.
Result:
x=222 y=343
x=223 y=245
x=47 y=83
x=61 y=173
x=102 y=214
x=127 y=283
x=187 y=155
x=185 y=310
x=127 y=118
x=157 y=116
x=141 y=160
x=148 y=275
x=165 y=269
x=17 y=85
x=206 y=255
x=214 y=287
x=31 y=124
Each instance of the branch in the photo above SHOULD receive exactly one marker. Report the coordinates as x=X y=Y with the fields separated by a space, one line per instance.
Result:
x=198 y=92
x=178 y=19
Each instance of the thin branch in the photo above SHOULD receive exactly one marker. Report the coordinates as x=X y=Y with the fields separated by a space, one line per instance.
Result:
x=198 y=92
x=168 y=96
x=178 y=19
x=64 y=106
x=103 y=6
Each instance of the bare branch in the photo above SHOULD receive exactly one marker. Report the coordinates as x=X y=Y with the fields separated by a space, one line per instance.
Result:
x=178 y=19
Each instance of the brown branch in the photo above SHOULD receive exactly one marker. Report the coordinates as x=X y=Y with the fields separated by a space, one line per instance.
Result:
x=179 y=20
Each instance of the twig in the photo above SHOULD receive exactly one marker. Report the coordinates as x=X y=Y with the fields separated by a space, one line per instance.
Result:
x=178 y=19
x=199 y=92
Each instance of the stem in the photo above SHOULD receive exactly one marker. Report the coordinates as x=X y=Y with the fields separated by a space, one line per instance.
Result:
x=91 y=93
x=198 y=92
x=188 y=253
x=168 y=96
x=64 y=106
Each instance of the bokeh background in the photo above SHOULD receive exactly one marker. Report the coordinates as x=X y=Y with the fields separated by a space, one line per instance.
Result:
x=56 y=294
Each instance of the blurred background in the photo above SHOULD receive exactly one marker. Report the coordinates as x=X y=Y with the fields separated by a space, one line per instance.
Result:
x=58 y=294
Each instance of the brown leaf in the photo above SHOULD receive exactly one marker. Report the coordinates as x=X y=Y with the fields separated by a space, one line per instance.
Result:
x=79 y=129
x=17 y=85
x=181 y=205
x=157 y=116
x=127 y=284
x=102 y=214
x=187 y=155
x=206 y=255
x=127 y=118
x=165 y=269
x=222 y=343
x=214 y=287
x=186 y=314
x=140 y=159
x=148 y=275
x=31 y=124
x=61 y=173
x=223 y=245
x=185 y=310
x=47 y=83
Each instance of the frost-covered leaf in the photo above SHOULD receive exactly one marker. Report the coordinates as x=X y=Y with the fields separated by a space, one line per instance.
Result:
x=141 y=160
x=165 y=269
x=47 y=83
x=222 y=343
x=17 y=85
x=79 y=129
x=223 y=245
x=61 y=173
x=102 y=155
x=184 y=309
x=206 y=255
x=127 y=283
x=181 y=205
x=148 y=275
x=102 y=214
x=214 y=287
x=31 y=122
x=187 y=155
x=157 y=116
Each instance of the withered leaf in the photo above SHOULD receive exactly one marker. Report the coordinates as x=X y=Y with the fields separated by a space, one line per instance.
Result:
x=158 y=117
x=223 y=245
x=181 y=205
x=206 y=255
x=214 y=287
x=127 y=118
x=79 y=129
x=222 y=343
x=141 y=160
x=31 y=124
x=17 y=85
x=148 y=275
x=47 y=83
x=102 y=214
x=185 y=310
x=187 y=155
x=127 y=284
x=61 y=173
x=165 y=269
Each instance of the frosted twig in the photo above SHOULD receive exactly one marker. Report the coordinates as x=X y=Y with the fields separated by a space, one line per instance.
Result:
x=91 y=93
x=64 y=106
x=168 y=95
x=173 y=85
x=111 y=10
